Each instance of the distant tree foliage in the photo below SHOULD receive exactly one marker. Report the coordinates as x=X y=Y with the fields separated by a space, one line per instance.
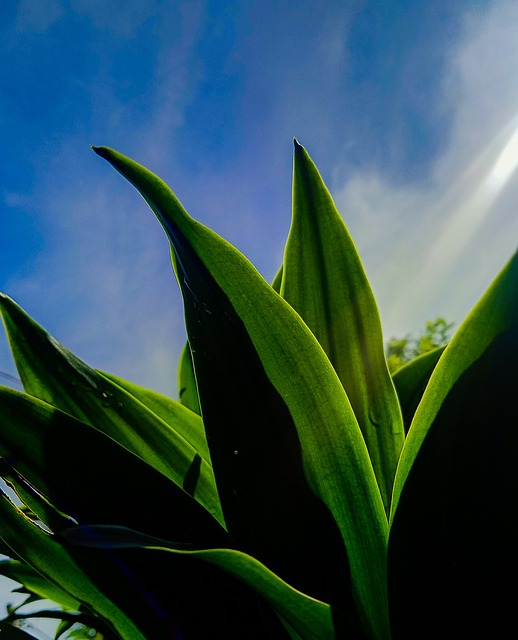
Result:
x=401 y=350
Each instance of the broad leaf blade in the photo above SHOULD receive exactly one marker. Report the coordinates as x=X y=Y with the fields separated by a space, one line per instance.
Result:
x=324 y=281
x=275 y=413
x=52 y=373
x=452 y=543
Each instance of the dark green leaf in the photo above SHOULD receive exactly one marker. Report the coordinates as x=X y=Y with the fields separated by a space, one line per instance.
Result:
x=50 y=559
x=52 y=373
x=309 y=617
x=453 y=552
x=280 y=428
x=95 y=480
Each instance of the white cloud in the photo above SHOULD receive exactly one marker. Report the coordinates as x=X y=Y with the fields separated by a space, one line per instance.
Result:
x=433 y=248
x=37 y=16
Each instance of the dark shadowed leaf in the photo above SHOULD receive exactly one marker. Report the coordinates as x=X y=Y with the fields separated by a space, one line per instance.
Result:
x=452 y=549
x=288 y=455
x=309 y=617
x=93 y=479
x=52 y=373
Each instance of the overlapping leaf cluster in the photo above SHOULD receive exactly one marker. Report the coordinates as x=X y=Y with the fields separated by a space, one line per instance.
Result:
x=297 y=490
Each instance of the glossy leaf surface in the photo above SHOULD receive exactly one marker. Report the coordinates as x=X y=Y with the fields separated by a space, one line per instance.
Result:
x=324 y=281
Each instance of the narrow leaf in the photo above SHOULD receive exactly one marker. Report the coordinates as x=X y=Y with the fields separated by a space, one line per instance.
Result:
x=324 y=281
x=411 y=380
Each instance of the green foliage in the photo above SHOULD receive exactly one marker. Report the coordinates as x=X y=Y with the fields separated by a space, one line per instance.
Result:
x=297 y=489
x=401 y=350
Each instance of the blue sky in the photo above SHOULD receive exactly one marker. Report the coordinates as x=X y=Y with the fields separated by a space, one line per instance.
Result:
x=409 y=109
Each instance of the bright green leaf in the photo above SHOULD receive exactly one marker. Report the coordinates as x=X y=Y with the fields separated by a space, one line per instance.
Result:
x=410 y=381
x=324 y=281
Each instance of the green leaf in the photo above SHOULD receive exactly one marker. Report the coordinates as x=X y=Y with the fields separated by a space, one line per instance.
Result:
x=50 y=559
x=91 y=478
x=37 y=584
x=52 y=373
x=277 y=281
x=310 y=618
x=56 y=452
x=325 y=283
x=410 y=381
x=188 y=393
x=188 y=423
x=452 y=545
x=494 y=314
x=280 y=427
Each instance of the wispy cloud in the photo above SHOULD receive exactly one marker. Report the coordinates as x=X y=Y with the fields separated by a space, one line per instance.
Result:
x=432 y=248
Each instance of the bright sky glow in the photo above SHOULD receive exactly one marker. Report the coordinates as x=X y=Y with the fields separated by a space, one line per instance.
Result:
x=506 y=164
x=408 y=109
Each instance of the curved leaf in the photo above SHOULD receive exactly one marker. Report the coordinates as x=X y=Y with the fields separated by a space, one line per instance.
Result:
x=453 y=553
x=324 y=281
x=452 y=544
x=34 y=582
x=410 y=381
x=52 y=373
x=496 y=312
x=310 y=618
x=50 y=559
x=287 y=428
